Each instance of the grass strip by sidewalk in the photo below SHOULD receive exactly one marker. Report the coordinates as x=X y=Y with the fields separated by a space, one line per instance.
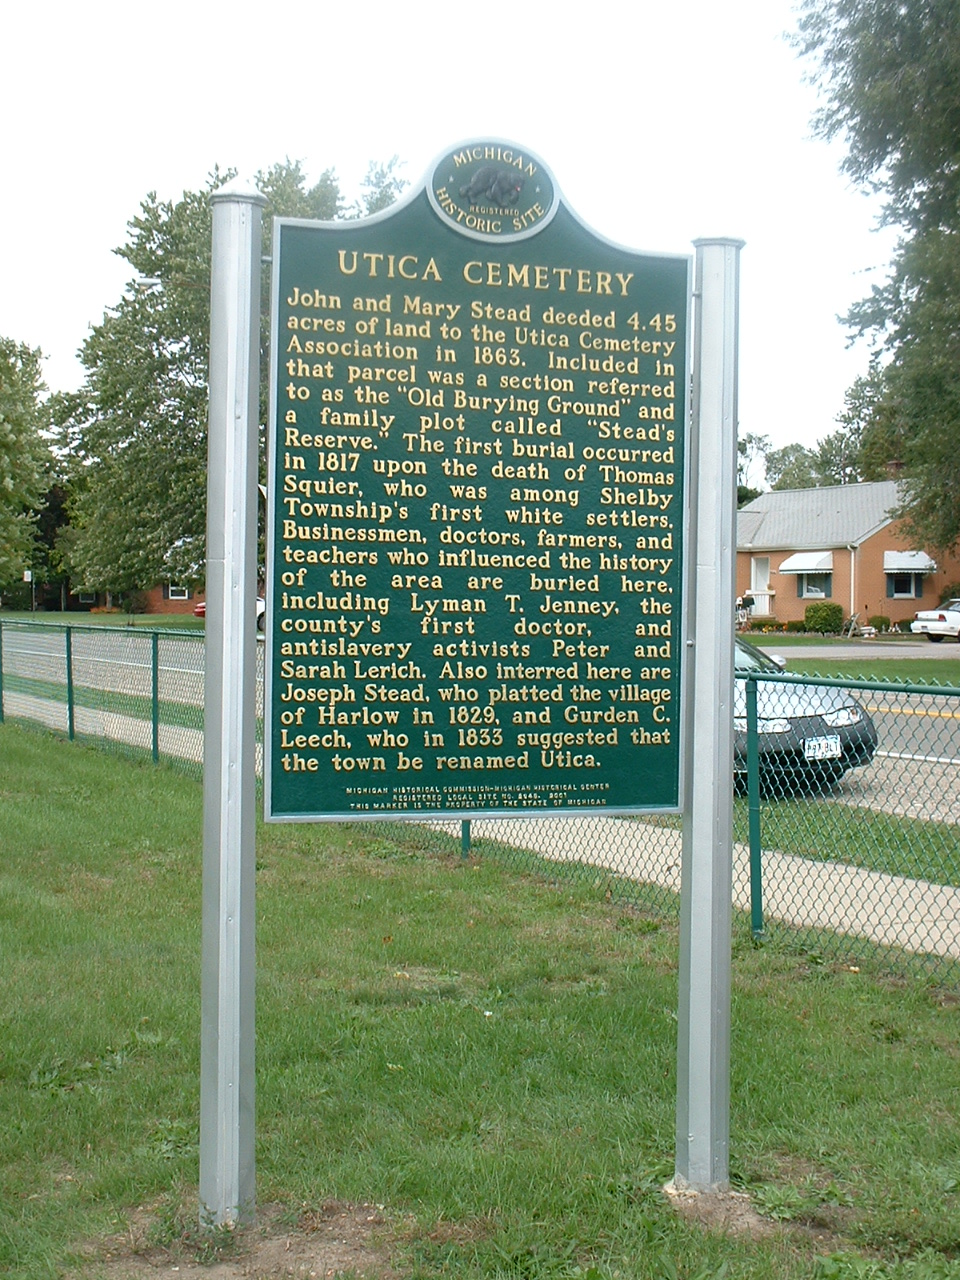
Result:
x=471 y=1047
x=80 y=618
x=825 y=829
x=185 y=715
x=936 y=672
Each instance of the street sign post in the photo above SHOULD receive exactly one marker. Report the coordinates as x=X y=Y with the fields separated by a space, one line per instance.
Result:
x=500 y=567
x=227 y=1086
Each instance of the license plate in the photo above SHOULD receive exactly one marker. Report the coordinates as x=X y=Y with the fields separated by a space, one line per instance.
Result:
x=822 y=748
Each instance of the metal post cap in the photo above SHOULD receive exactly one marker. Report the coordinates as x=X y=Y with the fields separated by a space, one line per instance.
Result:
x=239 y=189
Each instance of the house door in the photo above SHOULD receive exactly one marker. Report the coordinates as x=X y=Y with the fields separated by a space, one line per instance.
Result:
x=760 y=586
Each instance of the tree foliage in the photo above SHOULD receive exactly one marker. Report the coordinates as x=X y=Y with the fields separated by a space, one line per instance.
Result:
x=913 y=418
x=836 y=459
x=137 y=429
x=792 y=467
x=23 y=456
x=890 y=74
x=382 y=186
x=751 y=451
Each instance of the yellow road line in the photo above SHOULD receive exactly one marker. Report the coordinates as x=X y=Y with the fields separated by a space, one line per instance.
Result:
x=916 y=711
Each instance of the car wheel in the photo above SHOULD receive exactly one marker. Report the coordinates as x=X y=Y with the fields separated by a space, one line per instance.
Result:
x=261 y=622
x=933 y=639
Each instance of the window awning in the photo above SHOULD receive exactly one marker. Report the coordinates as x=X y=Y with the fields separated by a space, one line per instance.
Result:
x=808 y=562
x=908 y=562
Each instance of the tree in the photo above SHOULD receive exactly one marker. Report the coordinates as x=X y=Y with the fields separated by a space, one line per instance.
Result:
x=836 y=459
x=890 y=73
x=382 y=186
x=137 y=430
x=870 y=419
x=793 y=467
x=914 y=418
x=751 y=451
x=23 y=456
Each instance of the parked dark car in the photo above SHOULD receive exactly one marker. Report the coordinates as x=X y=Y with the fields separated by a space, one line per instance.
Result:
x=809 y=735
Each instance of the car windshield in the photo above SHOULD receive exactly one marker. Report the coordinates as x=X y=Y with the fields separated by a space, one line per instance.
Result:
x=747 y=658
x=953 y=605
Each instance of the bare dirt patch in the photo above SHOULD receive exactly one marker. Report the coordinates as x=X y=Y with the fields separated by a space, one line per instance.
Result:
x=338 y=1240
x=730 y=1212
x=733 y=1213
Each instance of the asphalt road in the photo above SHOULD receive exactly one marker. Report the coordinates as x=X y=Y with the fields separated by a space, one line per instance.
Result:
x=110 y=658
x=919 y=733
x=920 y=728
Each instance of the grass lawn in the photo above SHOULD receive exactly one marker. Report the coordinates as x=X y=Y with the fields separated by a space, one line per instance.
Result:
x=939 y=671
x=148 y=621
x=824 y=830
x=137 y=706
x=489 y=1056
x=881 y=661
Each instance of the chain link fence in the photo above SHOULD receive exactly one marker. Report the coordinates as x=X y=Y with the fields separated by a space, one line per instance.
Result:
x=845 y=818
x=847 y=822
x=128 y=688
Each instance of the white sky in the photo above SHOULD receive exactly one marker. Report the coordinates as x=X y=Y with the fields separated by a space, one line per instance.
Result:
x=661 y=122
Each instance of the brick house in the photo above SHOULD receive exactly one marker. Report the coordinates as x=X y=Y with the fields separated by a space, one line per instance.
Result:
x=841 y=544
x=170 y=598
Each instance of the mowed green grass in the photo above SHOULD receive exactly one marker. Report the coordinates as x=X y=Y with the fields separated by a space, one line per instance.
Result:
x=136 y=706
x=146 y=621
x=912 y=671
x=883 y=659
x=489 y=1055
x=823 y=829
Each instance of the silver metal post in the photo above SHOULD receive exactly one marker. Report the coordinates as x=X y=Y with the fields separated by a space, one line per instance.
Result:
x=227 y=1091
x=703 y=1054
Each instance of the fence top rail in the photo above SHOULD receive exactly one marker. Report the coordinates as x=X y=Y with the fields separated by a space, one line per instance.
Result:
x=847 y=682
x=119 y=629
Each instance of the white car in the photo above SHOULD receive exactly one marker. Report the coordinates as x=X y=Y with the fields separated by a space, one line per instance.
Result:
x=200 y=611
x=937 y=623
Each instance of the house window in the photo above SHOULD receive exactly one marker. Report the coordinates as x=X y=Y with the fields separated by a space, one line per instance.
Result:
x=177 y=593
x=904 y=586
x=814 y=586
x=87 y=597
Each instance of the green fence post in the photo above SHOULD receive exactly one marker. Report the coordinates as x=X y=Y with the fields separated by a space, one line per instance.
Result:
x=69 y=648
x=155 y=663
x=465 y=840
x=753 y=802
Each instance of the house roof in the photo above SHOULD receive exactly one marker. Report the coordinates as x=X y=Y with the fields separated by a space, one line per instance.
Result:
x=816 y=519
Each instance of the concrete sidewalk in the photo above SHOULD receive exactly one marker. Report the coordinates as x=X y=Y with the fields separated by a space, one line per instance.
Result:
x=890 y=910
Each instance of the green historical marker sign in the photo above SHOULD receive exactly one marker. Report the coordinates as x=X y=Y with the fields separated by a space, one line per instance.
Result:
x=476 y=507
